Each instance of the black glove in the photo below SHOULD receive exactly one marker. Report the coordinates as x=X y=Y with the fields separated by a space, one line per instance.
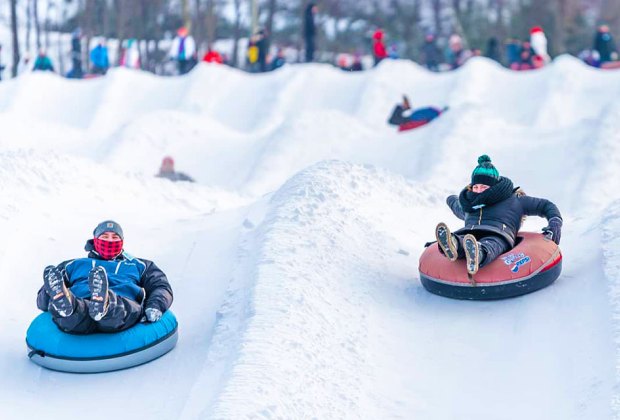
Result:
x=554 y=230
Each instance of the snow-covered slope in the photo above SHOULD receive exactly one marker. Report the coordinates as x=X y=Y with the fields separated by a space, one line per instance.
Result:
x=294 y=258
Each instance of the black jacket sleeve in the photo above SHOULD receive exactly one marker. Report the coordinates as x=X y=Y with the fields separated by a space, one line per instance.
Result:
x=43 y=300
x=455 y=206
x=157 y=287
x=541 y=207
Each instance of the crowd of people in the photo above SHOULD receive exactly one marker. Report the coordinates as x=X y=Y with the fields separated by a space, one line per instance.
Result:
x=262 y=56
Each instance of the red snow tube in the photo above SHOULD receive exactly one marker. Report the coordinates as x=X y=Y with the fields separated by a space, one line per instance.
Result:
x=410 y=125
x=535 y=262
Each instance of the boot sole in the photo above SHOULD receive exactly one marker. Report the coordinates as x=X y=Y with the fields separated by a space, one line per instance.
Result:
x=472 y=254
x=58 y=293
x=98 y=285
x=442 y=234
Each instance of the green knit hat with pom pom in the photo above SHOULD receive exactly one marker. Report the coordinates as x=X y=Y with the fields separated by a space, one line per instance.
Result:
x=485 y=173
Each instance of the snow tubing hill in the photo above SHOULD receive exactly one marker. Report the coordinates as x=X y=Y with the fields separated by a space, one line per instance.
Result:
x=535 y=262
x=51 y=348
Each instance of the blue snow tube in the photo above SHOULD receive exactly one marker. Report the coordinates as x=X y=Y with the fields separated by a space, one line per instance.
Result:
x=51 y=348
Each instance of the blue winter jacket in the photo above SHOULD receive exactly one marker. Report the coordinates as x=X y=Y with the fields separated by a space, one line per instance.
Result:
x=134 y=278
x=99 y=57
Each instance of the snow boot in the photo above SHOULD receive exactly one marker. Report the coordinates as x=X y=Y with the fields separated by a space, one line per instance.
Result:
x=98 y=285
x=60 y=297
x=446 y=241
x=472 y=253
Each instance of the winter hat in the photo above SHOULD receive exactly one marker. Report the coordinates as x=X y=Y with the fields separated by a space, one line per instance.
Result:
x=108 y=226
x=485 y=173
x=535 y=29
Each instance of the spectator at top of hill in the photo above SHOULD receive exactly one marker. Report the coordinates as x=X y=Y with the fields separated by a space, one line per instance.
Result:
x=130 y=56
x=212 y=56
x=526 y=59
x=183 y=50
x=492 y=51
x=263 y=49
x=357 y=63
x=279 y=60
x=513 y=51
x=167 y=171
x=431 y=55
x=310 y=30
x=604 y=44
x=99 y=60
x=458 y=55
x=43 y=62
x=538 y=41
x=76 y=71
x=379 y=51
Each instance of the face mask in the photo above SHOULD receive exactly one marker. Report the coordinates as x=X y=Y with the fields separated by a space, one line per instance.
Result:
x=108 y=249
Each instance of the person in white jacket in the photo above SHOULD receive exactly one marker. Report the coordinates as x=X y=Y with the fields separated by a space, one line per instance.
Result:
x=183 y=50
x=538 y=40
x=130 y=57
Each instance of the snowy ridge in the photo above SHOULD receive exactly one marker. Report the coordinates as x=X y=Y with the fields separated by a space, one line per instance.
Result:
x=306 y=339
x=611 y=252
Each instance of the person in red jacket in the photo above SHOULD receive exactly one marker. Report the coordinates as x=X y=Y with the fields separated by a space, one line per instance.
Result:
x=212 y=56
x=378 y=46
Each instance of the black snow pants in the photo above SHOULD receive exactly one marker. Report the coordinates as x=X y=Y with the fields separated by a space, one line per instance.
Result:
x=123 y=313
x=492 y=245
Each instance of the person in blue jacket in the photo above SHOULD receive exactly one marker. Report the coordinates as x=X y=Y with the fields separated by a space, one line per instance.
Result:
x=99 y=58
x=492 y=209
x=107 y=291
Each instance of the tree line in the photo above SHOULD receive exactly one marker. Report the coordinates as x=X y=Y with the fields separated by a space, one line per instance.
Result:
x=344 y=25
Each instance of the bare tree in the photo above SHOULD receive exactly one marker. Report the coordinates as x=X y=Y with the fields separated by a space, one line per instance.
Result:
x=28 y=24
x=15 y=37
x=37 y=25
x=236 y=33
x=211 y=21
x=271 y=11
x=437 y=7
x=610 y=11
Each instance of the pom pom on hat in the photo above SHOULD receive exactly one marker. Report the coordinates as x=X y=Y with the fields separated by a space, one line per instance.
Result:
x=485 y=173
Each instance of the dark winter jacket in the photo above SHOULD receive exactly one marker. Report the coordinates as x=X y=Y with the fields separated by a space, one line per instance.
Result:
x=503 y=218
x=175 y=176
x=604 y=44
x=431 y=54
x=134 y=278
x=43 y=63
